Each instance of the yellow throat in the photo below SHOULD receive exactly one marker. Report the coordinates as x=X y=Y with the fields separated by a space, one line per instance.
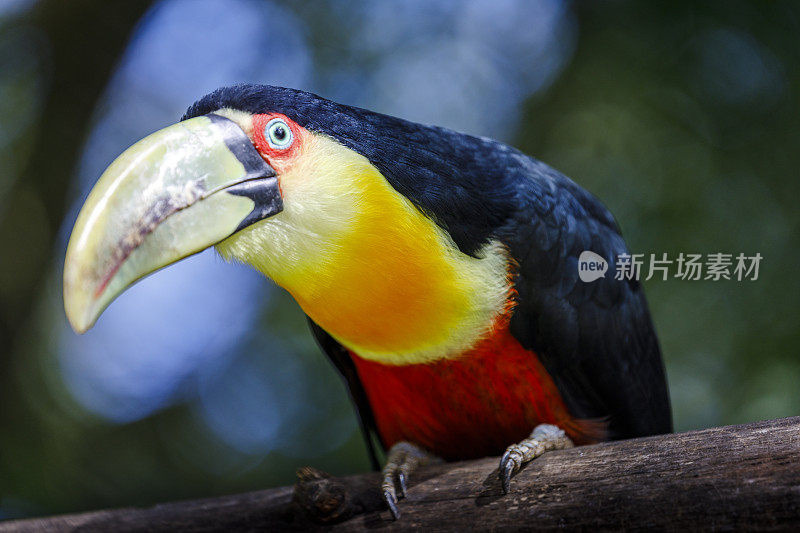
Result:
x=379 y=276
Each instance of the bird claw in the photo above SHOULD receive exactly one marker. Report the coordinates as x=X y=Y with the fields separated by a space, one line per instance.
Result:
x=509 y=465
x=390 y=476
x=545 y=437
x=391 y=501
x=402 y=478
x=402 y=460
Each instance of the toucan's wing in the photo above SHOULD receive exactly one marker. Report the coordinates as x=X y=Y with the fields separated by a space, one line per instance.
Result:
x=595 y=339
x=340 y=357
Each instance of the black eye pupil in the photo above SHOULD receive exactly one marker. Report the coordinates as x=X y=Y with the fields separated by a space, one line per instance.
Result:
x=279 y=133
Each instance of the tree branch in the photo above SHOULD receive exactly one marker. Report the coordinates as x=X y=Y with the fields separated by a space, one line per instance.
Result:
x=736 y=477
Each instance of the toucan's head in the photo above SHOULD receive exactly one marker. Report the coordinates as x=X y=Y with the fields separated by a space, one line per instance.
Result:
x=365 y=219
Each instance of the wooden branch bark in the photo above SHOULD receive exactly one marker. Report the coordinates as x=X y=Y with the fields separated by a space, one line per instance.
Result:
x=736 y=477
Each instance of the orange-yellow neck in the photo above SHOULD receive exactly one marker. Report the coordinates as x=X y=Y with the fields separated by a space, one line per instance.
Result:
x=373 y=271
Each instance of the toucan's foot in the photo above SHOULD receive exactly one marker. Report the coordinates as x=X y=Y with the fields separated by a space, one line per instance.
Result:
x=402 y=460
x=544 y=438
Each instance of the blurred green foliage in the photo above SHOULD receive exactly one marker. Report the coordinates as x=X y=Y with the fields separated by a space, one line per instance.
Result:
x=683 y=117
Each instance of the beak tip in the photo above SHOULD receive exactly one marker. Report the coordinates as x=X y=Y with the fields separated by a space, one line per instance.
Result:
x=80 y=327
x=80 y=323
x=80 y=310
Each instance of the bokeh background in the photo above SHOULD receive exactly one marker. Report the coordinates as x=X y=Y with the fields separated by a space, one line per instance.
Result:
x=683 y=117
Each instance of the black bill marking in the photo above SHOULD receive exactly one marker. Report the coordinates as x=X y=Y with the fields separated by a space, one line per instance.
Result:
x=260 y=184
x=171 y=201
x=265 y=193
x=240 y=146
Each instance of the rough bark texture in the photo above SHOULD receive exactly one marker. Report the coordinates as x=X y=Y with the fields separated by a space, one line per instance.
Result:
x=729 y=478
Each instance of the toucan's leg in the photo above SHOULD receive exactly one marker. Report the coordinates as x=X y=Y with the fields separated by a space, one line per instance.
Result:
x=402 y=460
x=544 y=438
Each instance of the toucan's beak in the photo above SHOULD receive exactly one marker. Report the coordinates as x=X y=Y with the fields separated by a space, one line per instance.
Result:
x=170 y=195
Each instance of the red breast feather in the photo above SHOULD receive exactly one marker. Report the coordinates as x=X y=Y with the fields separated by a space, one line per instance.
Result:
x=471 y=406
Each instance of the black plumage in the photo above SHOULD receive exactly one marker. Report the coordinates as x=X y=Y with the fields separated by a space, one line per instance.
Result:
x=595 y=339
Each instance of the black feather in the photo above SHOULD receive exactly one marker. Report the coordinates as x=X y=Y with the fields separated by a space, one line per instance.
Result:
x=595 y=339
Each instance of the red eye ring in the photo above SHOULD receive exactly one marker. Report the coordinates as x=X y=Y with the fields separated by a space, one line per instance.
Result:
x=275 y=135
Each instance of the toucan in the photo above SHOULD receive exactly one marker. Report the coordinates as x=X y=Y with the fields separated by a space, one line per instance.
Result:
x=439 y=271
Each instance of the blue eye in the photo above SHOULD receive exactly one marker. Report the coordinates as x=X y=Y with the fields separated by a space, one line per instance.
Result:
x=278 y=134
